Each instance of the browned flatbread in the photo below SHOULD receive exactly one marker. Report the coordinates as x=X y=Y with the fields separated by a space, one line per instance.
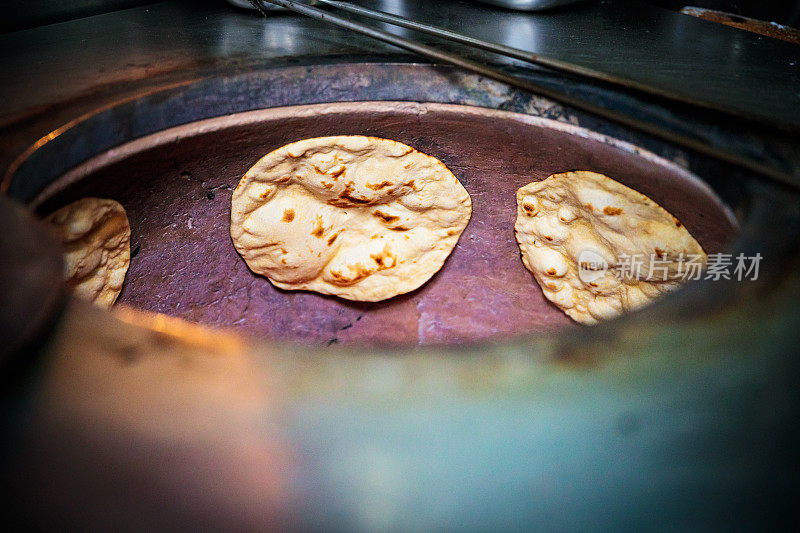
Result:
x=96 y=238
x=577 y=231
x=357 y=217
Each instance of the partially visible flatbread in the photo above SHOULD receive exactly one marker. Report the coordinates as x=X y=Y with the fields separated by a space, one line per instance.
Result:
x=96 y=237
x=580 y=234
x=358 y=217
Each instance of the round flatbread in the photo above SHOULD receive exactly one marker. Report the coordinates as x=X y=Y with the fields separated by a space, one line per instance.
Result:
x=358 y=217
x=96 y=237
x=598 y=248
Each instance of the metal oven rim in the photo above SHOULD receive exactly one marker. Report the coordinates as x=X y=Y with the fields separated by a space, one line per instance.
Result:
x=383 y=82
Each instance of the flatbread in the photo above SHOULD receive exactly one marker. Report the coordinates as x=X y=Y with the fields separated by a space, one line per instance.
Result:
x=358 y=217
x=581 y=233
x=96 y=237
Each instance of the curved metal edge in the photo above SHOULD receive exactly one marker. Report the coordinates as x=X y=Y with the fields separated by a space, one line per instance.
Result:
x=250 y=117
x=12 y=168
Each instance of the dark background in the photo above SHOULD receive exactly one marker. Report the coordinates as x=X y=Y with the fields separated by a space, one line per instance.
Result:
x=26 y=14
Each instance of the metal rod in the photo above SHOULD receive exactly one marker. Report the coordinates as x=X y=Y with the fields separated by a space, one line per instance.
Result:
x=537 y=88
x=530 y=57
x=450 y=35
x=508 y=51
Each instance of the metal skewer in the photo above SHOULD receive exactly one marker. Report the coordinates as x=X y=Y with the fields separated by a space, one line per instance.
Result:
x=429 y=52
x=496 y=48
x=509 y=51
